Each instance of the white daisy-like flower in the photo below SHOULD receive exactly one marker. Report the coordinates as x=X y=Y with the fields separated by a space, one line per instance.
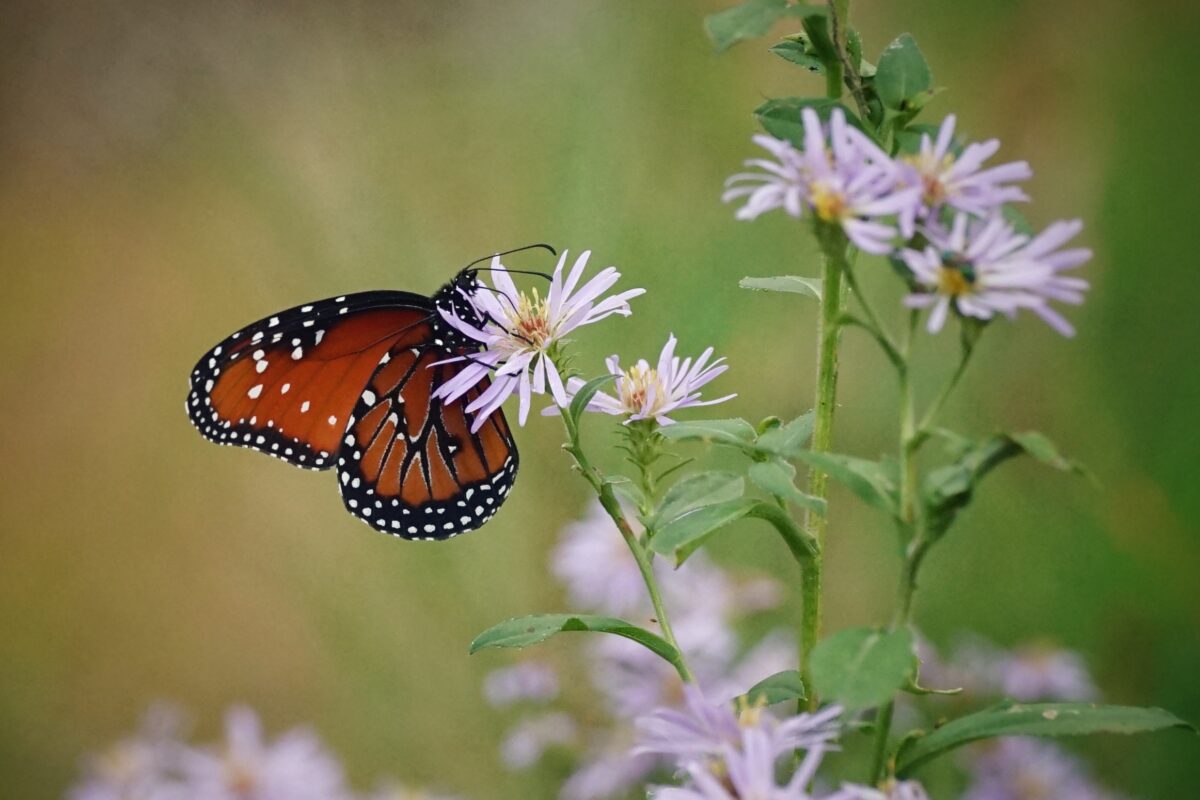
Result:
x=984 y=267
x=960 y=181
x=646 y=392
x=840 y=177
x=529 y=681
x=295 y=766
x=521 y=332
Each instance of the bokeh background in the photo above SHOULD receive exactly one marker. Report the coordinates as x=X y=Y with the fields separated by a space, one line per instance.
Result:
x=171 y=171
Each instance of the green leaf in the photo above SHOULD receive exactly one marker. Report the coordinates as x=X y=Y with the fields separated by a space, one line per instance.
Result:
x=700 y=489
x=524 y=631
x=796 y=50
x=681 y=536
x=854 y=49
x=751 y=19
x=584 y=396
x=870 y=480
x=777 y=478
x=777 y=688
x=908 y=139
x=626 y=488
x=787 y=440
x=903 y=75
x=795 y=284
x=1033 y=719
x=862 y=667
x=780 y=117
x=947 y=490
x=724 y=431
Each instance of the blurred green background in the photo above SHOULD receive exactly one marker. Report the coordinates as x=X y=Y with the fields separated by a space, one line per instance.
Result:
x=171 y=171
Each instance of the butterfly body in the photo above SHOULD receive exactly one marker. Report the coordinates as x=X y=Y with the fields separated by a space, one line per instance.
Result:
x=348 y=383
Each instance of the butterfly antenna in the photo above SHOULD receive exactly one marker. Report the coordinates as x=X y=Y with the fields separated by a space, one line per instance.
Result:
x=540 y=246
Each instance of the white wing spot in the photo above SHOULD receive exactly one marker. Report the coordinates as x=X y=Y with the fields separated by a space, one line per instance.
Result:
x=368 y=397
x=320 y=336
x=298 y=353
x=306 y=309
x=304 y=407
x=272 y=322
x=284 y=389
x=261 y=367
x=255 y=391
x=332 y=420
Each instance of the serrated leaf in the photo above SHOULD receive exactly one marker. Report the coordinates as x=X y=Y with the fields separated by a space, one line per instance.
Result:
x=794 y=284
x=1033 y=719
x=524 y=631
x=902 y=74
x=777 y=688
x=862 y=667
x=780 y=116
x=871 y=481
x=584 y=396
x=701 y=489
x=751 y=20
x=724 y=431
x=778 y=478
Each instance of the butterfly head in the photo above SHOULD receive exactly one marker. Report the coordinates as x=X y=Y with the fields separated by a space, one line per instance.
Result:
x=455 y=300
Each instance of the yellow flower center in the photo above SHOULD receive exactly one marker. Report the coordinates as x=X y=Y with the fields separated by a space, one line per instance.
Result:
x=635 y=387
x=530 y=320
x=830 y=205
x=931 y=172
x=952 y=282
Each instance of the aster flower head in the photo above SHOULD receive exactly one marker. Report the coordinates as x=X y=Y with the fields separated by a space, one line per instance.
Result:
x=523 y=333
x=984 y=267
x=1015 y=768
x=651 y=392
x=142 y=767
x=840 y=178
x=960 y=181
x=703 y=730
x=248 y=767
x=1043 y=672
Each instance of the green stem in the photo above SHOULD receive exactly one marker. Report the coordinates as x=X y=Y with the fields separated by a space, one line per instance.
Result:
x=847 y=70
x=936 y=407
x=832 y=270
x=608 y=499
x=910 y=531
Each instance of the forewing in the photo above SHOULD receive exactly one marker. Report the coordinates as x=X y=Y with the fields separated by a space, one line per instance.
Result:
x=286 y=385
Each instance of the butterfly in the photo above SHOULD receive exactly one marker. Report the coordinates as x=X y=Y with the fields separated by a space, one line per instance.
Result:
x=348 y=384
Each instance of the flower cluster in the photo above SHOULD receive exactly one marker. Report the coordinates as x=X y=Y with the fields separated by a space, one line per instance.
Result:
x=939 y=213
x=522 y=342
x=158 y=764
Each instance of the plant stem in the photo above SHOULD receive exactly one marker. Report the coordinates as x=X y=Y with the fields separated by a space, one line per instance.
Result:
x=839 y=15
x=926 y=421
x=612 y=506
x=832 y=270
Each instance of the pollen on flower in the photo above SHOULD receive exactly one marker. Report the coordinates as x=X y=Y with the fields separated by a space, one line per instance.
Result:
x=530 y=318
x=953 y=281
x=830 y=205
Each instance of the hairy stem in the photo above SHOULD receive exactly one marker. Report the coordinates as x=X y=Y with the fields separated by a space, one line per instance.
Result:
x=828 y=334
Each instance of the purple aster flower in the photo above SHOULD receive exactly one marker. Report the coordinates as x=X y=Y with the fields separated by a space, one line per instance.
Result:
x=840 y=177
x=610 y=772
x=142 y=767
x=247 y=767
x=523 y=332
x=1041 y=672
x=981 y=268
x=703 y=730
x=530 y=738
x=1023 y=768
x=646 y=392
x=892 y=790
x=530 y=681
x=961 y=182
x=747 y=769
x=394 y=790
